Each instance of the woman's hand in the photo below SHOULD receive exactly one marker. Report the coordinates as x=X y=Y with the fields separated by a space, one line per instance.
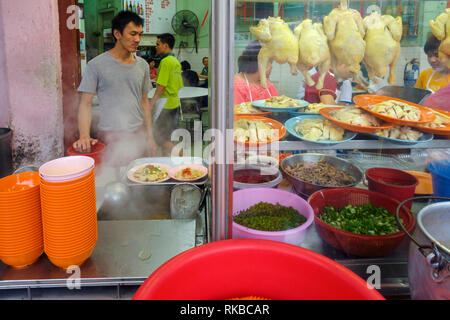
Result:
x=83 y=145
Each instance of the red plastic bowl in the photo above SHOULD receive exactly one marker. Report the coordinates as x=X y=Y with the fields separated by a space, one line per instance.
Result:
x=396 y=183
x=96 y=153
x=239 y=268
x=352 y=243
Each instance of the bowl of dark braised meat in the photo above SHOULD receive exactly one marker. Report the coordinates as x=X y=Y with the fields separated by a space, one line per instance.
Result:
x=256 y=176
x=310 y=172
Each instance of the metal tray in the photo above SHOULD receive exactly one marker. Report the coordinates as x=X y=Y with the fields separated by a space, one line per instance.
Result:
x=170 y=161
x=367 y=160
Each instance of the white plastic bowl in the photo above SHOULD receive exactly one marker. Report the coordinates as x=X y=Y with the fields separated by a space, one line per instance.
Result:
x=66 y=168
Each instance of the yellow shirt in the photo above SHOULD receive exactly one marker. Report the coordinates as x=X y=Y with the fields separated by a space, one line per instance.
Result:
x=437 y=81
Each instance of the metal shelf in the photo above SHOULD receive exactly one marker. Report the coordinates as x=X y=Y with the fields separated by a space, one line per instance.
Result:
x=287 y=145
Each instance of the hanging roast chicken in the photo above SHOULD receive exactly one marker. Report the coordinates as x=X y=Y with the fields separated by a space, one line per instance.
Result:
x=278 y=44
x=345 y=32
x=383 y=34
x=441 y=30
x=313 y=51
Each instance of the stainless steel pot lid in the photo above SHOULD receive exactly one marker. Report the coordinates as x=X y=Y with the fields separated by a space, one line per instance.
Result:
x=185 y=200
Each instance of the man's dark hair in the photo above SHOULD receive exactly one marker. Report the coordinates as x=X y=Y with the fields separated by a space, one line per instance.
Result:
x=120 y=21
x=167 y=38
x=248 y=61
x=432 y=43
x=185 y=65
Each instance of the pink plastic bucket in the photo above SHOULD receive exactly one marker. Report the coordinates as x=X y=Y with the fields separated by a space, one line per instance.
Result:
x=244 y=199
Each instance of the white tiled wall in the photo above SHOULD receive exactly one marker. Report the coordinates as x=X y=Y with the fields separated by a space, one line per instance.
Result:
x=406 y=55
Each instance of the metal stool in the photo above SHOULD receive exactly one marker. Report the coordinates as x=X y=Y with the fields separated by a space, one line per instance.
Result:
x=187 y=121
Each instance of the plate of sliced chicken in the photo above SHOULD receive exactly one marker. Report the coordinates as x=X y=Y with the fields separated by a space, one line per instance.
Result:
x=403 y=135
x=395 y=110
x=246 y=108
x=279 y=104
x=440 y=125
x=311 y=109
x=354 y=119
x=255 y=130
x=317 y=129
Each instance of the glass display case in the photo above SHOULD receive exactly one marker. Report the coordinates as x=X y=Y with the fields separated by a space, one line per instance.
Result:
x=290 y=82
x=297 y=43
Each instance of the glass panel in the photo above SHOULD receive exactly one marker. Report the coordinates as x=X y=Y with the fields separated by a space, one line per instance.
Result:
x=381 y=68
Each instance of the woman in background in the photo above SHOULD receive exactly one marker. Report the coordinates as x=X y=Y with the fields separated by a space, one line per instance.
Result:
x=190 y=78
x=153 y=69
x=327 y=94
x=247 y=83
x=438 y=76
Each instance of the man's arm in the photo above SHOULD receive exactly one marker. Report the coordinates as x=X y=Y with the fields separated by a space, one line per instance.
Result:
x=202 y=76
x=158 y=93
x=147 y=109
x=83 y=144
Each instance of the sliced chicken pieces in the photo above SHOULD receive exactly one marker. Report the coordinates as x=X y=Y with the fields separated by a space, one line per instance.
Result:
x=401 y=133
x=356 y=116
x=397 y=109
x=252 y=131
x=319 y=129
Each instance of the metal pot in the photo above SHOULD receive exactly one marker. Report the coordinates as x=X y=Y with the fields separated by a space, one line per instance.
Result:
x=185 y=201
x=305 y=189
x=428 y=265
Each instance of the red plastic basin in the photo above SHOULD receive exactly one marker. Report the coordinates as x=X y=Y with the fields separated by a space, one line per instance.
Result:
x=397 y=184
x=239 y=268
x=96 y=153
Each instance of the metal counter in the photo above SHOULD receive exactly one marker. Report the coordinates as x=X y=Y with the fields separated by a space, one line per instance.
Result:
x=128 y=251
x=129 y=248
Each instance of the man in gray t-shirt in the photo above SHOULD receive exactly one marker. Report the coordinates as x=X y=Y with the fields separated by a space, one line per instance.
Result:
x=122 y=82
x=119 y=88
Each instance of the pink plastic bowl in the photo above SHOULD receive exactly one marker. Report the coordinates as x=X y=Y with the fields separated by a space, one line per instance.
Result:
x=66 y=168
x=244 y=199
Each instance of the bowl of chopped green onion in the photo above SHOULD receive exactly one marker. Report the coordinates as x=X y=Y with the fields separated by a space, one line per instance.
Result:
x=359 y=222
x=270 y=214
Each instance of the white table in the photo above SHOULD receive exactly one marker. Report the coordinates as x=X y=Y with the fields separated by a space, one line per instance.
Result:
x=185 y=92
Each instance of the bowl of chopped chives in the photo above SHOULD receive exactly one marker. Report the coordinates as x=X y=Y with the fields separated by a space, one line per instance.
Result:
x=270 y=214
x=359 y=222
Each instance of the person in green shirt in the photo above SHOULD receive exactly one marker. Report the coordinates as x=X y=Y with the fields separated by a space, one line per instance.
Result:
x=165 y=104
x=204 y=74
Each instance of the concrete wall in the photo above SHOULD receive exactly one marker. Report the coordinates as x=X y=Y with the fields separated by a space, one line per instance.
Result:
x=30 y=50
x=199 y=8
x=4 y=96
